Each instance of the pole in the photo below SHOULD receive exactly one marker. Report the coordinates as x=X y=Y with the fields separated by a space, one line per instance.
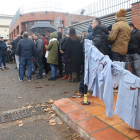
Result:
x=85 y=102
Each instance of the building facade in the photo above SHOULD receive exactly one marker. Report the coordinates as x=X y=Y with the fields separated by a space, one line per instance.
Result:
x=5 y=21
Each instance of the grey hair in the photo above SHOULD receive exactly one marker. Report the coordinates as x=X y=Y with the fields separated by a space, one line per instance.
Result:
x=25 y=34
x=97 y=20
x=36 y=34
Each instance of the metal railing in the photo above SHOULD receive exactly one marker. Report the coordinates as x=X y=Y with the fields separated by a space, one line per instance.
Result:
x=105 y=7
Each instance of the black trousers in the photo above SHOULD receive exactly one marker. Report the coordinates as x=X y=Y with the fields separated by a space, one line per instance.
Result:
x=118 y=57
x=45 y=64
x=60 y=65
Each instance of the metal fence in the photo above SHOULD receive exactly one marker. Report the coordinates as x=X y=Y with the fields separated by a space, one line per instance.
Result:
x=105 y=7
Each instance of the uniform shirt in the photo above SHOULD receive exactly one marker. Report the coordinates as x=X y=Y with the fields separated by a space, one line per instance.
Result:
x=127 y=99
x=97 y=75
x=116 y=77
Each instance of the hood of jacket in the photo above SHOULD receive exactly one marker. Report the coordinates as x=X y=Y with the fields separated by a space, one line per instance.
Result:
x=120 y=19
x=103 y=28
x=53 y=35
x=59 y=35
x=89 y=29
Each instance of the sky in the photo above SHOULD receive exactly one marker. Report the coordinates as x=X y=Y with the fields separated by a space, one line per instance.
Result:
x=9 y=7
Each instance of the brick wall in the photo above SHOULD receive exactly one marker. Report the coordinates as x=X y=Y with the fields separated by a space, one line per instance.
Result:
x=135 y=14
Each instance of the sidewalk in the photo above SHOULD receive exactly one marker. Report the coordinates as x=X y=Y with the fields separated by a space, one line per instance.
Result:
x=91 y=121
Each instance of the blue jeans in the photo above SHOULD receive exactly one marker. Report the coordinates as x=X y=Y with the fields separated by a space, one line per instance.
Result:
x=39 y=64
x=23 y=62
x=54 y=70
x=33 y=65
x=135 y=63
x=81 y=87
x=2 y=59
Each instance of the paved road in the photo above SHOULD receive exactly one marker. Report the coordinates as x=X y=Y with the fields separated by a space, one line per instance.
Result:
x=35 y=127
x=11 y=89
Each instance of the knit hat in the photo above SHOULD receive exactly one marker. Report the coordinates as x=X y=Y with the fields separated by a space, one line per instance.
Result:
x=121 y=13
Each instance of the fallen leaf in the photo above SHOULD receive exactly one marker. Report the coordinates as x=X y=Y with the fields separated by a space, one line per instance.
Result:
x=43 y=105
x=52 y=124
x=66 y=92
x=19 y=121
x=36 y=82
x=48 y=109
x=51 y=112
x=20 y=125
x=50 y=101
x=29 y=106
x=60 y=123
x=44 y=118
x=52 y=115
x=38 y=87
x=46 y=85
x=51 y=121
x=23 y=107
x=53 y=85
x=19 y=97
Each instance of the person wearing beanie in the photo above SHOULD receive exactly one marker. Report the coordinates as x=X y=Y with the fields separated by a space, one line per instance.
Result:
x=119 y=37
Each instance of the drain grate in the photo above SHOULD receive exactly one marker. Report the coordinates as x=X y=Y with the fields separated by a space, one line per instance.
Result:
x=8 y=117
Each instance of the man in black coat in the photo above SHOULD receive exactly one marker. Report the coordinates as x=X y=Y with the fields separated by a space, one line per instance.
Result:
x=15 y=43
x=3 y=49
x=134 y=50
x=26 y=50
x=99 y=36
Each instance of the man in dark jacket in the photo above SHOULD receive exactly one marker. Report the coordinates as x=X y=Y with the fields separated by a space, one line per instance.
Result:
x=15 y=43
x=3 y=49
x=38 y=54
x=134 y=50
x=26 y=50
x=99 y=33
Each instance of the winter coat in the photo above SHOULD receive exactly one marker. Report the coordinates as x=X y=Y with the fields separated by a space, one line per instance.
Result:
x=39 y=47
x=13 y=46
x=134 y=43
x=74 y=53
x=99 y=39
x=48 y=38
x=53 y=50
x=26 y=48
x=63 y=43
x=45 y=42
x=89 y=35
x=3 y=49
x=120 y=36
x=16 y=43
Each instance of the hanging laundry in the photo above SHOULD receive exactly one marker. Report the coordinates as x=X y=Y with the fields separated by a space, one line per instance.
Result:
x=127 y=99
x=116 y=77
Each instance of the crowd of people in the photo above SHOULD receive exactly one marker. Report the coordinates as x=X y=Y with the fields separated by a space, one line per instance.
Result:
x=64 y=56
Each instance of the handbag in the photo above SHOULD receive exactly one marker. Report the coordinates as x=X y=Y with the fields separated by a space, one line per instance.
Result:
x=47 y=54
